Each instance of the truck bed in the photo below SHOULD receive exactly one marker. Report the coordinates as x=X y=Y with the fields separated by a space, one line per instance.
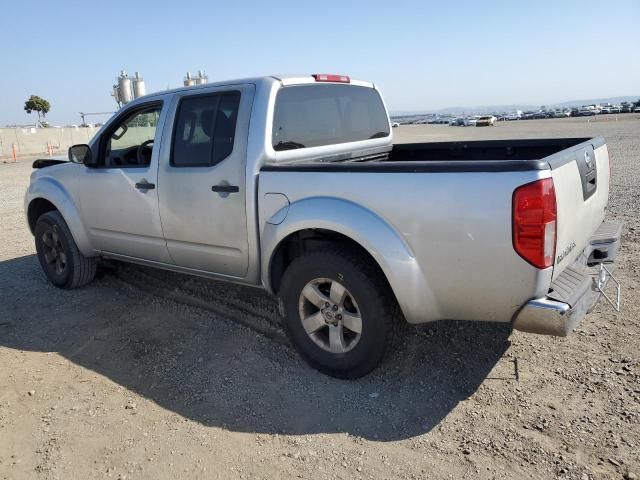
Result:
x=451 y=204
x=472 y=156
x=483 y=150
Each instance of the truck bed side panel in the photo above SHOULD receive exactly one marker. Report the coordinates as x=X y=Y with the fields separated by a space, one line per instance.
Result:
x=457 y=225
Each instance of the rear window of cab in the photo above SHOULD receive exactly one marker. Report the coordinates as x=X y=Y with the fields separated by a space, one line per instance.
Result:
x=317 y=115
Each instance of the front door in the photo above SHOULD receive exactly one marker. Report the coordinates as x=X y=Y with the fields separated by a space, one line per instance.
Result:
x=202 y=188
x=118 y=197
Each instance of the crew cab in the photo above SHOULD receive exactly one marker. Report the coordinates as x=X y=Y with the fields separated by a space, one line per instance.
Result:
x=293 y=184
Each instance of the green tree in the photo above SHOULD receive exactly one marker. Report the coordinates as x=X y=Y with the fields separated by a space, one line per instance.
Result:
x=39 y=105
x=637 y=104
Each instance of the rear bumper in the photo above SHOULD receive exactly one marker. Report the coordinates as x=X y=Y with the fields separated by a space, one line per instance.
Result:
x=575 y=292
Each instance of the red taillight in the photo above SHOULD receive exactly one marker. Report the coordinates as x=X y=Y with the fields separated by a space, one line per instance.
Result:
x=534 y=222
x=327 y=77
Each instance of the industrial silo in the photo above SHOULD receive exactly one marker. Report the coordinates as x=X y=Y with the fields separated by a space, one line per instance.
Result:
x=139 y=89
x=188 y=81
x=124 y=88
x=201 y=79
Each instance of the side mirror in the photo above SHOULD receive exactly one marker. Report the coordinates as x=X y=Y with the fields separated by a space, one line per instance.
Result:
x=81 y=154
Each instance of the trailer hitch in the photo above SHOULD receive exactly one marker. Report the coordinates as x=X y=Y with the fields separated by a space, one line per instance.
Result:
x=604 y=276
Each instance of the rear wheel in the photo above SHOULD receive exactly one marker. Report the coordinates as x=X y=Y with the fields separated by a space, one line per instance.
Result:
x=339 y=312
x=58 y=253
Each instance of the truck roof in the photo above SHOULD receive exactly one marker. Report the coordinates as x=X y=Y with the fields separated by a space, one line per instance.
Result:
x=286 y=79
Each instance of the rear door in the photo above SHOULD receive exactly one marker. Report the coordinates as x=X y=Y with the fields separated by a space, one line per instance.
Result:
x=581 y=180
x=202 y=187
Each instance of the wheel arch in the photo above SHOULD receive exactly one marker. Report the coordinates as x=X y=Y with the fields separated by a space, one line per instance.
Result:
x=47 y=195
x=36 y=208
x=297 y=243
x=314 y=221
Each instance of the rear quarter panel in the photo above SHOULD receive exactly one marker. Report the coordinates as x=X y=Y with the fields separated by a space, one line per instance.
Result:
x=456 y=226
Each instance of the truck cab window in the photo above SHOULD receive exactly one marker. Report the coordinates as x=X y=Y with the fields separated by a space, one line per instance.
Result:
x=316 y=115
x=131 y=143
x=205 y=129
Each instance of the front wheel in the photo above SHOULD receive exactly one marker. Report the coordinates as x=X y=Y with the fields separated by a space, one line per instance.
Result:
x=62 y=262
x=339 y=312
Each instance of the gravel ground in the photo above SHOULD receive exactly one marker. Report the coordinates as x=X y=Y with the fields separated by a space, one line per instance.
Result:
x=148 y=374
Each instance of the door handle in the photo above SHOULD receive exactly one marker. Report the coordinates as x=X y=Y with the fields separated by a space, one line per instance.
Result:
x=144 y=185
x=225 y=188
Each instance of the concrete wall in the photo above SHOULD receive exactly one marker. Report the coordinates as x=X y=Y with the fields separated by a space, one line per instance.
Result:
x=34 y=141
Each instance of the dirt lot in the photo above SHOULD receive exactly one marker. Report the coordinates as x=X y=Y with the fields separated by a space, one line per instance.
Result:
x=146 y=374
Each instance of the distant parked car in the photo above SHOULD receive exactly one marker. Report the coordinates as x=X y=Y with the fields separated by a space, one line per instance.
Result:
x=486 y=121
x=459 y=122
x=395 y=124
x=636 y=110
x=540 y=115
x=438 y=121
x=464 y=122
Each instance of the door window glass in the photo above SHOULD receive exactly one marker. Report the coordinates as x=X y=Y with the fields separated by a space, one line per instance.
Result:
x=205 y=129
x=131 y=143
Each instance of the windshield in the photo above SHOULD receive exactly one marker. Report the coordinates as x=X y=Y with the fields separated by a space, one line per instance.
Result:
x=316 y=115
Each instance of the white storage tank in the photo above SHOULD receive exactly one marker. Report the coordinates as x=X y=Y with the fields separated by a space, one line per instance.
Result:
x=139 y=89
x=201 y=79
x=124 y=88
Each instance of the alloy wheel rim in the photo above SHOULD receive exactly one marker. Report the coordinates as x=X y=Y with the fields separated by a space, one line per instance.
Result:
x=54 y=252
x=330 y=315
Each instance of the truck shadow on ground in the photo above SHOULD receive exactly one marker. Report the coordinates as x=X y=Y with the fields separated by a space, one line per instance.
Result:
x=212 y=370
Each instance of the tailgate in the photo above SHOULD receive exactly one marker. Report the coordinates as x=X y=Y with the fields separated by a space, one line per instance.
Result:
x=581 y=181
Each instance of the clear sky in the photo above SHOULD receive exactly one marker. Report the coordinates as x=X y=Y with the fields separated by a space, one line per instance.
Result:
x=423 y=54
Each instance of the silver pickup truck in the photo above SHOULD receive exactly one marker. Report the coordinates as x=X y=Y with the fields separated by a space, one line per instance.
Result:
x=293 y=184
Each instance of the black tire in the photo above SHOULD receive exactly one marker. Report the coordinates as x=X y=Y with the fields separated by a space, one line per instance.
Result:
x=63 y=264
x=378 y=310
